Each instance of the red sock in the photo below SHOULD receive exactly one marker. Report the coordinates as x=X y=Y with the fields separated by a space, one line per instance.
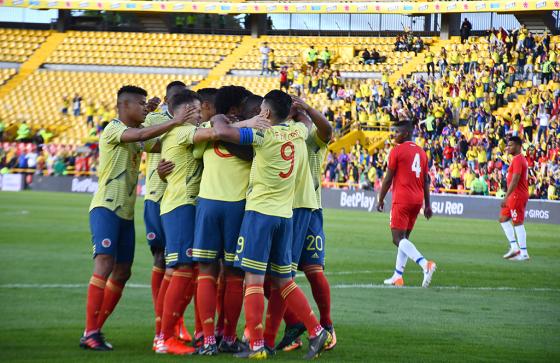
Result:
x=111 y=297
x=159 y=303
x=157 y=278
x=206 y=298
x=94 y=302
x=254 y=310
x=296 y=300
x=290 y=318
x=234 y=297
x=275 y=311
x=178 y=286
x=321 y=292
x=220 y=306
x=197 y=323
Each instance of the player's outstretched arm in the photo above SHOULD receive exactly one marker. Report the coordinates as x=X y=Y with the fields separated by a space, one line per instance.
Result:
x=385 y=185
x=324 y=128
x=150 y=132
x=228 y=133
x=427 y=205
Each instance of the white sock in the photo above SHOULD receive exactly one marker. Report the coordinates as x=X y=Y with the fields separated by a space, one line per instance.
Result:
x=522 y=239
x=400 y=264
x=408 y=248
x=510 y=234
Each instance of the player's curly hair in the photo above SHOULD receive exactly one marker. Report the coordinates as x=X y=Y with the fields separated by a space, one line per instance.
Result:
x=516 y=140
x=129 y=89
x=230 y=96
x=279 y=102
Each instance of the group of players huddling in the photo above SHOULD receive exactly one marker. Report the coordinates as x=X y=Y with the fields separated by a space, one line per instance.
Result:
x=232 y=210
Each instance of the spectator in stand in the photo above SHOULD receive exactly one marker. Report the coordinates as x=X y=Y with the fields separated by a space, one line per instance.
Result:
x=465 y=30
x=272 y=62
x=265 y=51
x=2 y=128
x=325 y=58
x=77 y=105
x=311 y=57
x=65 y=106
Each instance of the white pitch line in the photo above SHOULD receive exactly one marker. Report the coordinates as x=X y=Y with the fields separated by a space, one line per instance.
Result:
x=335 y=286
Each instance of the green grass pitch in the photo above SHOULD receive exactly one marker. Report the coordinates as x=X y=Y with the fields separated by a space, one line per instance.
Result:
x=479 y=308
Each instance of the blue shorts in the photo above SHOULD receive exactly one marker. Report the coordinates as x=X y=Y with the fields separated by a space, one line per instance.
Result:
x=154 y=228
x=301 y=219
x=112 y=235
x=217 y=229
x=178 y=226
x=313 y=252
x=265 y=240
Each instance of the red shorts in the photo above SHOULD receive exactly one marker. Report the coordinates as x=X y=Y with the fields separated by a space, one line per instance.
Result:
x=515 y=209
x=403 y=216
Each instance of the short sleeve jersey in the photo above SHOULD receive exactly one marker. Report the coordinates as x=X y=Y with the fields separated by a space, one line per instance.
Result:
x=119 y=165
x=410 y=165
x=316 y=151
x=184 y=181
x=518 y=165
x=154 y=185
x=225 y=177
x=273 y=172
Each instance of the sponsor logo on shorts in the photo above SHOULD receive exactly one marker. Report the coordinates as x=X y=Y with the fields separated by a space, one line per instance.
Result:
x=106 y=243
x=315 y=255
x=151 y=236
x=189 y=252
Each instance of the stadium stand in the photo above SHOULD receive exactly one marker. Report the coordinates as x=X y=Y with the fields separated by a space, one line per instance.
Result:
x=6 y=73
x=19 y=44
x=482 y=91
x=144 y=49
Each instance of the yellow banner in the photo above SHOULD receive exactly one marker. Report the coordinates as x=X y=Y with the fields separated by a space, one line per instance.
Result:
x=371 y=7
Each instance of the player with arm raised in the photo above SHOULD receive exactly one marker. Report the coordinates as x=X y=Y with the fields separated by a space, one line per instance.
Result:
x=407 y=172
x=266 y=232
x=112 y=207
x=312 y=258
x=515 y=202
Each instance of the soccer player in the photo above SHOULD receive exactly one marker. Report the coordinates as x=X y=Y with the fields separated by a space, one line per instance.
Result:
x=112 y=207
x=407 y=172
x=219 y=214
x=266 y=232
x=312 y=259
x=154 y=230
x=515 y=202
x=178 y=216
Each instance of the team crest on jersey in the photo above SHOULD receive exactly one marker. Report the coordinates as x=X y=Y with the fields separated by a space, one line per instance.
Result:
x=151 y=236
x=106 y=243
x=189 y=252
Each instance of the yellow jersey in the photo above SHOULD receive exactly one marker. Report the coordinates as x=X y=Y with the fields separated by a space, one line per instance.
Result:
x=225 y=177
x=119 y=165
x=273 y=172
x=184 y=181
x=316 y=152
x=154 y=185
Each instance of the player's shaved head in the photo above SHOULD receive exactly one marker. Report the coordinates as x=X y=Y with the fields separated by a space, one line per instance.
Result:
x=183 y=98
x=403 y=131
x=252 y=107
x=129 y=90
x=173 y=88
x=174 y=84
x=230 y=99
x=278 y=103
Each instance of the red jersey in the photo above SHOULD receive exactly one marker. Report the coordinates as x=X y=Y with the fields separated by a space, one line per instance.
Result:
x=519 y=166
x=409 y=164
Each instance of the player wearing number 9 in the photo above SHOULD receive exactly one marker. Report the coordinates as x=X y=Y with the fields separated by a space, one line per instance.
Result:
x=407 y=172
x=266 y=232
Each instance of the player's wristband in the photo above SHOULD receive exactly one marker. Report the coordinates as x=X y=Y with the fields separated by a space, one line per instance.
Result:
x=245 y=136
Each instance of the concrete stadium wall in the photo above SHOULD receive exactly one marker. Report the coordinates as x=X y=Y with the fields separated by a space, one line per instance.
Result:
x=538 y=211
